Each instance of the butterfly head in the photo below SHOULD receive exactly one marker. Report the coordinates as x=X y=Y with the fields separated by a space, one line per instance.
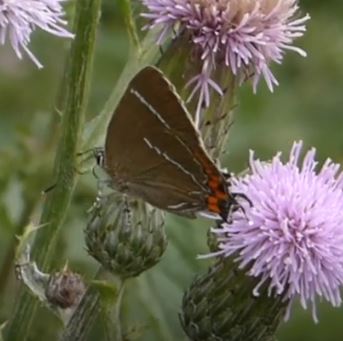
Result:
x=221 y=201
x=99 y=155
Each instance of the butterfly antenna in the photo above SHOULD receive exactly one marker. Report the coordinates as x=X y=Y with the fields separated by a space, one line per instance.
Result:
x=49 y=189
x=88 y=151
x=97 y=153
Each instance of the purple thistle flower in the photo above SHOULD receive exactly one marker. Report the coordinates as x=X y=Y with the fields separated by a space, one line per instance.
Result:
x=19 y=18
x=244 y=36
x=292 y=235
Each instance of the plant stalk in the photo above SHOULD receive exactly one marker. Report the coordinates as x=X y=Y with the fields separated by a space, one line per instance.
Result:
x=113 y=323
x=76 y=87
x=83 y=317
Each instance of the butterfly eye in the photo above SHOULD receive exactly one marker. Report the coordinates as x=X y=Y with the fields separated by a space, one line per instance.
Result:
x=99 y=156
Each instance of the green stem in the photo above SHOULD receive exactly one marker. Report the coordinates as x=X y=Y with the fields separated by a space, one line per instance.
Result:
x=149 y=54
x=113 y=323
x=76 y=92
x=125 y=6
x=105 y=295
x=83 y=317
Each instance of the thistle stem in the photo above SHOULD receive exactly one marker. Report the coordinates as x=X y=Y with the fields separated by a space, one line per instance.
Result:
x=76 y=92
x=148 y=54
x=85 y=314
x=125 y=6
x=113 y=323
x=93 y=302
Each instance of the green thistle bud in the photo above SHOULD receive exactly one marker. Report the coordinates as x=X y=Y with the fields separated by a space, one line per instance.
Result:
x=125 y=235
x=220 y=305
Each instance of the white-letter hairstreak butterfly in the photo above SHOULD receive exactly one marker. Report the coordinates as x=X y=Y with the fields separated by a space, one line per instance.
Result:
x=153 y=151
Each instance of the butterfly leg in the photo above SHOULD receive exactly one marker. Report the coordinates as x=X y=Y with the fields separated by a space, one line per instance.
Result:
x=242 y=196
x=101 y=184
x=234 y=204
x=50 y=188
x=237 y=205
x=88 y=156
x=127 y=213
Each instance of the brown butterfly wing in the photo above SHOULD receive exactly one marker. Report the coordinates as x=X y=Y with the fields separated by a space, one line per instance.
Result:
x=153 y=151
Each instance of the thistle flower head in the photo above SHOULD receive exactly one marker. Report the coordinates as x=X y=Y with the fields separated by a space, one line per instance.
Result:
x=125 y=235
x=19 y=18
x=65 y=289
x=242 y=35
x=292 y=235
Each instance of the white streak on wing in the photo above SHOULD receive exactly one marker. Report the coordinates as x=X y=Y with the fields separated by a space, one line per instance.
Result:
x=203 y=184
x=159 y=152
x=210 y=215
x=176 y=206
x=151 y=146
x=191 y=154
x=149 y=106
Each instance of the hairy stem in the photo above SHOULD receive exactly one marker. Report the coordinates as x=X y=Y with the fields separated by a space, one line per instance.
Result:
x=125 y=7
x=84 y=316
x=148 y=54
x=76 y=92
x=113 y=323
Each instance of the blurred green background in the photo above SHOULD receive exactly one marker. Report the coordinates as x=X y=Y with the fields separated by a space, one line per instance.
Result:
x=307 y=105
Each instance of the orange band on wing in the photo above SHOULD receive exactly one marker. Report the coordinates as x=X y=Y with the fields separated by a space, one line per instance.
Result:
x=221 y=195
x=214 y=208
x=219 y=199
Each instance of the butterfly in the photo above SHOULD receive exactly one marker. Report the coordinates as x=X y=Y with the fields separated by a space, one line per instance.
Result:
x=153 y=151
